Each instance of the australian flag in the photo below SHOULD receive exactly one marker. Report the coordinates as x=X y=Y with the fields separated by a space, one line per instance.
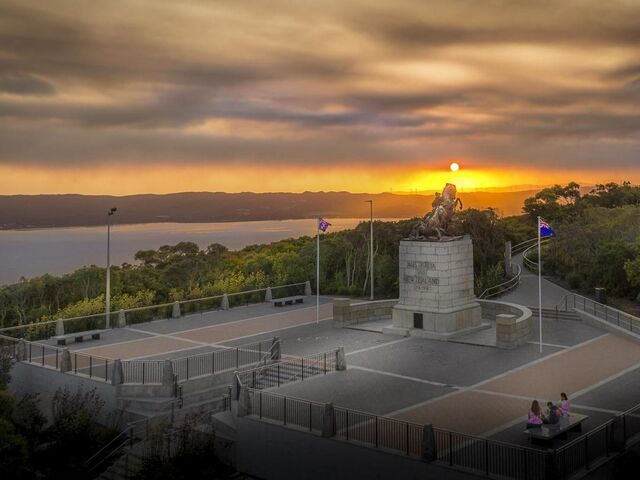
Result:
x=323 y=224
x=546 y=230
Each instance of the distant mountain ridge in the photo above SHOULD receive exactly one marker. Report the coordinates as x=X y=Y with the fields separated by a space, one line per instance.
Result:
x=72 y=210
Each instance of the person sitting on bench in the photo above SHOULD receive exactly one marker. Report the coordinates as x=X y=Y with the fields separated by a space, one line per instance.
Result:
x=553 y=413
x=535 y=418
x=564 y=404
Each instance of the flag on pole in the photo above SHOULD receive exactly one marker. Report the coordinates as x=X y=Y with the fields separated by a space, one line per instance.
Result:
x=545 y=229
x=323 y=224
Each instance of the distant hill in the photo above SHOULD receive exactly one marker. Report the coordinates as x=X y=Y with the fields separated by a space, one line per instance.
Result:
x=38 y=211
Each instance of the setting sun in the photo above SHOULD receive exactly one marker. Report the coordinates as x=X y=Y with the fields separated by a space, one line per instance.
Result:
x=454 y=167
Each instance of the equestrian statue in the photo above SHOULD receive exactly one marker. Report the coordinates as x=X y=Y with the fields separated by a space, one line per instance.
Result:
x=437 y=221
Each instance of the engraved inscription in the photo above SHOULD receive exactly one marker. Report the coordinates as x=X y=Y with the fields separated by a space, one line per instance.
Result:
x=421 y=280
x=422 y=265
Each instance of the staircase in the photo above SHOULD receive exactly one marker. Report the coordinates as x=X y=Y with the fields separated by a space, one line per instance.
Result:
x=192 y=397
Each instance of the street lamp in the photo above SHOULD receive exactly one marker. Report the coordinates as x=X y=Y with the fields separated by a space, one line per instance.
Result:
x=370 y=202
x=108 y=293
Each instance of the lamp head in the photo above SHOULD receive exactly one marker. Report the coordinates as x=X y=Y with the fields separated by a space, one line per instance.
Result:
x=112 y=211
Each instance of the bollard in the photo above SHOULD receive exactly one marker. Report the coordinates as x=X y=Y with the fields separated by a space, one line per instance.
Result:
x=307 y=288
x=167 y=374
x=341 y=359
x=428 y=443
x=175 y=313
x=65 y=361
x=122 y=320
x=59 y=327
x=268 y=296
x=328 y=421
x=117 y=373
x=225 y=302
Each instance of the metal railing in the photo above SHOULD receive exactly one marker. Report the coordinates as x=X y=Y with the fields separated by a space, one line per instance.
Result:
x=187 y=368
x=290 y=370
x=98 y=321
x=479 y=455
x=529 y=264
x=503 y=287
x=49 y=356
x=624 y=320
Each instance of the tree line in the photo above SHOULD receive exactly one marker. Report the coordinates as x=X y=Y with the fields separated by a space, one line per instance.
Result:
x=598 y=244
x=184 y=271
x=598 y=236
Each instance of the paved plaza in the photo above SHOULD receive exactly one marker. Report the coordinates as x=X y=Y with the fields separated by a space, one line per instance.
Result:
x=467 y=388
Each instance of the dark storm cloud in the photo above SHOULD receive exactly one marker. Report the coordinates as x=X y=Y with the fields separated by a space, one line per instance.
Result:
x=476 y=22
x=25 y=85
x=79 y=86
x=75 y=148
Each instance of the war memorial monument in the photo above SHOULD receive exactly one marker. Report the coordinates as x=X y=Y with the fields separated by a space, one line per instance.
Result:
x=436 y=277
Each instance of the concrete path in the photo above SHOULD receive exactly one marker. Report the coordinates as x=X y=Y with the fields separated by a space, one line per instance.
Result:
x=527 y=292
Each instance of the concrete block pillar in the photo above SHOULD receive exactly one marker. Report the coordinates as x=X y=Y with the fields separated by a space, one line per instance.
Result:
x=225 y=302
x=276 y=352
x=21 y=351
x=617 y=440
x=328 y=421
x=428 y=443
x=175 y=313
x=341 y=311
x=341 y=359
x=168 y=377
x=59 y=327
x=122 y=319
x=244 y=403
x=117 y=373
x=65 y=361
x=307 y=288
x=268 y=296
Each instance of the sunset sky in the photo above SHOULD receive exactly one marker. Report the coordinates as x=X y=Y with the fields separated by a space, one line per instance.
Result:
x=137 y=96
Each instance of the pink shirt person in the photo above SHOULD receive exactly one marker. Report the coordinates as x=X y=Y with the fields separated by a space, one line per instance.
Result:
x=564 y=404
x=534 y=419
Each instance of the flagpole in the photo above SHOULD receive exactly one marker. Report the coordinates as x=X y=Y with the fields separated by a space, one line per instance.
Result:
x=539 y=286
x=317 y=270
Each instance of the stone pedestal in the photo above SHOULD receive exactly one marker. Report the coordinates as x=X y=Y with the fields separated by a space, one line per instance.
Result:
x=436 y=289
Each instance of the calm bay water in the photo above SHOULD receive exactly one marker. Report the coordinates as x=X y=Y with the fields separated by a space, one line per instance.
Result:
x=30 y=253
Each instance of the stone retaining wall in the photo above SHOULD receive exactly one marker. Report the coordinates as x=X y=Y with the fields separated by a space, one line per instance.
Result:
x=347 y=313
x=514 y=323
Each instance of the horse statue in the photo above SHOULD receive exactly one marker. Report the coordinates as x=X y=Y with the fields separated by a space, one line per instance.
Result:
x=437 y=221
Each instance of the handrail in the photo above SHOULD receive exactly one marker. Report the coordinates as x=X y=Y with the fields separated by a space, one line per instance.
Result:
x=527 y=262
x=510 y=284
x=147 y=307
x=611 y=314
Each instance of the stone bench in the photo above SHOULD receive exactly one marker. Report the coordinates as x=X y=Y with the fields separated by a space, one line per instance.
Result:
x=78 y=337
x=281 y=302
x=546 y=433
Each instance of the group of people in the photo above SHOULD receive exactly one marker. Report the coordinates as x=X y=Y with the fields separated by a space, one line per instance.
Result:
x=553 y=414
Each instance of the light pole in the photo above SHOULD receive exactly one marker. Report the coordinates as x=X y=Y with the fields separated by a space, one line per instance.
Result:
x=370 y=202
x=108 y=293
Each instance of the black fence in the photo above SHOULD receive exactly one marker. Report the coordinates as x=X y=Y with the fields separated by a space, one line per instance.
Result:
x=289 y=370
x=610 y=315
x=187 y=368
x=48 y=356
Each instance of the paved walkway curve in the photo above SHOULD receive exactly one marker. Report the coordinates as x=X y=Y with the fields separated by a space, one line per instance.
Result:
x=527 y=292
